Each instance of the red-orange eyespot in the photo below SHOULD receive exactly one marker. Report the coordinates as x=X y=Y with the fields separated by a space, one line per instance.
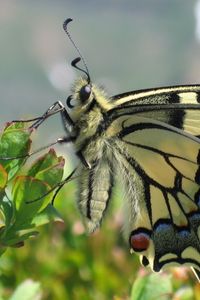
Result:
x=139 y=241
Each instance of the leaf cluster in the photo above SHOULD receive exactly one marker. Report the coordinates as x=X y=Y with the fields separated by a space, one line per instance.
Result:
x=25 y=194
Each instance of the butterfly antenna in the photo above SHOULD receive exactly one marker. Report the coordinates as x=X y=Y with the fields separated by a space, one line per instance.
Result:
x=75 y=61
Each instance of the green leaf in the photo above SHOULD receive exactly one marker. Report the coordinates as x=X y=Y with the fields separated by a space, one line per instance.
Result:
x=28 y=206
x=14 y=142
x=28 y=196
x=17 y=233
x=49 y=214
x=152 y=287
x=48 y=168
x=6 y=207
x=15 y=238
x=3 y=177
x=14 y=125
x=28 y=290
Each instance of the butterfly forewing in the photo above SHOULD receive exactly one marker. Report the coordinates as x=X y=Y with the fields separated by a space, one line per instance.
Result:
x=178 y=106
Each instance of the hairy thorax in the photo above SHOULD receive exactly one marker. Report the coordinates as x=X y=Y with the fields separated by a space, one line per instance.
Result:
x=89 y=139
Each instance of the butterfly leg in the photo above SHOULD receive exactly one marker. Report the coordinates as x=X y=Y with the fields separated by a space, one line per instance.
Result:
x=56 y=188
x=57 y=107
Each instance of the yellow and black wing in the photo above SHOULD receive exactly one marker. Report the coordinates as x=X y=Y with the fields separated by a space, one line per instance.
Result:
x=150 y=141
x=178 y=106
x=163 y=168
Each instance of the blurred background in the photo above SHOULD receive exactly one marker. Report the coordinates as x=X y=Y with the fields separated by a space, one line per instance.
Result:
x=128 y=45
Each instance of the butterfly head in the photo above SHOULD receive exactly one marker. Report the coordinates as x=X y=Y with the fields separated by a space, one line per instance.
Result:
x=82 y=91
x=85 y=95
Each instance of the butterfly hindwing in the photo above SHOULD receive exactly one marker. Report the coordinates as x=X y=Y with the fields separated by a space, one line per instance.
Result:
x=164 y=172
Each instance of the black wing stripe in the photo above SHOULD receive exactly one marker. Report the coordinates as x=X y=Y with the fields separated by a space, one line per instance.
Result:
x=137 y=109
x=195 y=88
x=149 y=125
x=164 y=154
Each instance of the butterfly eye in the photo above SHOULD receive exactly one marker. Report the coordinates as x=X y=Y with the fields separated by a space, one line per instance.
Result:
x=84 y=93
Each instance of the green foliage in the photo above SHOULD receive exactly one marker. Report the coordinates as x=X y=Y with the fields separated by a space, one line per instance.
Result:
x=151 y=287
x=25 y=198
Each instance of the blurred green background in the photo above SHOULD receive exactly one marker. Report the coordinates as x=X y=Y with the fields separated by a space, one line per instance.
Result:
x=127 y=45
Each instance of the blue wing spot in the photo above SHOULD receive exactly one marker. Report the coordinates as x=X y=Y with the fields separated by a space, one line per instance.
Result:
x=197 y=199
x=184 y=233
x=163 y=227
x=195 y=217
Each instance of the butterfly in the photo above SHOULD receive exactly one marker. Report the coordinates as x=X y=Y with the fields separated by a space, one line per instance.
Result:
x=150 y=141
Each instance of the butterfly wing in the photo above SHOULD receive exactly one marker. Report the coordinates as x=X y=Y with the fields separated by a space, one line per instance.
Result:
x=154 y=149
x=160 y=166
x=178 y=106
